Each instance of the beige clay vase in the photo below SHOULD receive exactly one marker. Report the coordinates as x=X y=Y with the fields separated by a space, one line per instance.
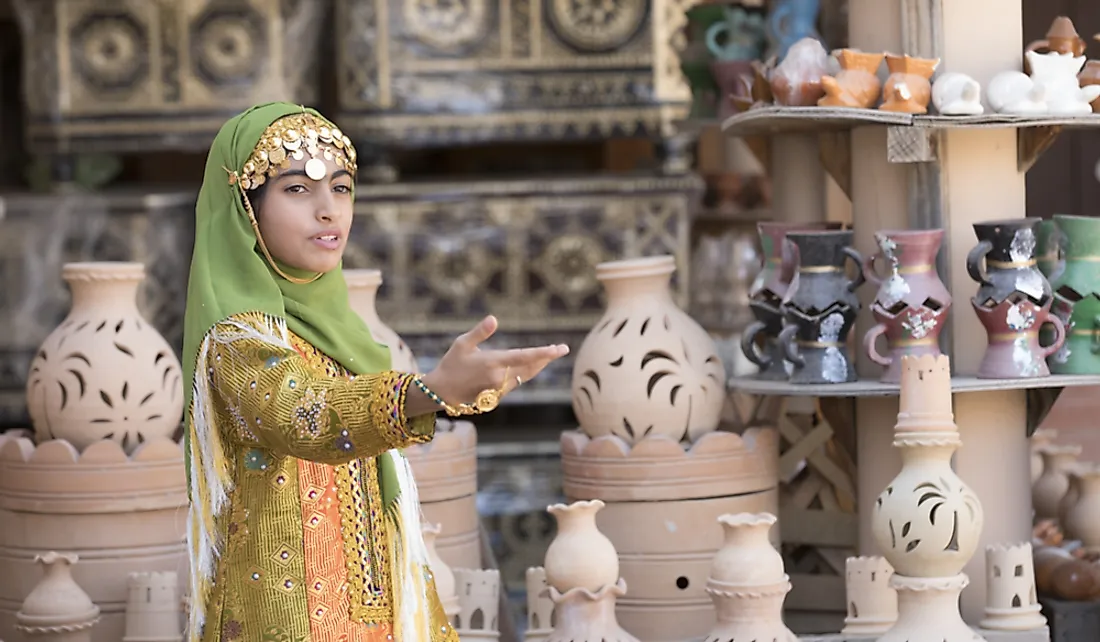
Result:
x=647 y=368
x=1047 y=491
x=1011 y=600
x=57 y=604
x=580 y=555
x=748 y=583
x=1083 y=517
x=362 y=295
x=872 y=602
x=104 y=373
x=927 y=521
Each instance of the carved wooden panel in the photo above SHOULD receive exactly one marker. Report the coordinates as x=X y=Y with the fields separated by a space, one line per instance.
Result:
x=115 y=75
x=416 y=73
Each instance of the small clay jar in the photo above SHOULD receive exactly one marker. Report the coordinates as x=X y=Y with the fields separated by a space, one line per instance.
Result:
x=908 y=88
x=857 y=84
x=1003 y=262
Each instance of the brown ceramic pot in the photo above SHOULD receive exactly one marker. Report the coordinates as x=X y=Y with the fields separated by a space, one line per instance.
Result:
x=911 y=303
x=1062 y=37
x=909 y=86
x=857 y=84
x=1012 y=327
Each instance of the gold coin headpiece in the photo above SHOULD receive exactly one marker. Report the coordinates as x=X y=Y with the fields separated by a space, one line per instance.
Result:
x=293 y=138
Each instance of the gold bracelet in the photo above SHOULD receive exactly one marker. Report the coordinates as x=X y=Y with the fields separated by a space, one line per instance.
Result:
x=487 y=400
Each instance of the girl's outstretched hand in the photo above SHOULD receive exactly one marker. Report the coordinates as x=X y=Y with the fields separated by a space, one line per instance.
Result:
x=466 y=369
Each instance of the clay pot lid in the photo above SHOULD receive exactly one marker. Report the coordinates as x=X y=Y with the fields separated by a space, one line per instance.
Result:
x=363 y=278
x=103 y=270
x=1062 y=27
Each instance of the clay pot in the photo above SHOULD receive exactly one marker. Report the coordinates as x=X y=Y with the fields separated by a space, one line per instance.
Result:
x=1077 y=295
x=105 y=372
x=766 y=295
x=1039 y=439
x=1076 y=581
x=857 y=84
x=747 y=582
x=153 y=607
x=362 y=294
x=796 y=82
x=1012 y=328
x=911 y=303
x=1069 y=500
x=57 y=602
x=908 y=88
x=582 y=615
x=820 y=308
x=1062 y=37
x=647 y=368
x=734 y=79
x=1083 y=515
x=1090 y=75
x=927 y=521
x=747 y=557
x=1046 y=560
x=1048 y=242
x=1007 y=249
x=580 y=555
x=1047 y=492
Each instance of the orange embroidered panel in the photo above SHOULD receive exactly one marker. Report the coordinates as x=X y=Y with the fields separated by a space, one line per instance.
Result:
x=326 y=572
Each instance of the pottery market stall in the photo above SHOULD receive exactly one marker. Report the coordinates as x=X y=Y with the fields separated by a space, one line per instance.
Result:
x=920 y=160
x=102 y=478
x=648 y=390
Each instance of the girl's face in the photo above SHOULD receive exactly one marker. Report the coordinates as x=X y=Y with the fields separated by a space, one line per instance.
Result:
x=305 y=223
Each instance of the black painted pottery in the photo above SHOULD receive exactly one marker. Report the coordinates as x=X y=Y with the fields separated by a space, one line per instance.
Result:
x=817 y=346
x=821 y=307
x=760 y=342
x=1004 y=262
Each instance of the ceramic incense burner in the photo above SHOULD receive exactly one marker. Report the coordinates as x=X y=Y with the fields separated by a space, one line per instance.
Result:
x=1013 y=326
x=911 y=303
x=821 y=307
x=759 y=340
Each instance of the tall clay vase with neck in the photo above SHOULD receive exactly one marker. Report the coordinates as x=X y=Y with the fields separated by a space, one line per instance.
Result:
x=1047 y=491
x=647 y=368
x=927 y=521
x=580 y=556
x=105 y=372
x=362 y=294
x=747 y=582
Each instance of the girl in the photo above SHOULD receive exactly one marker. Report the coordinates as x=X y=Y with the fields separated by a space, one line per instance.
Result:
x=304 y=521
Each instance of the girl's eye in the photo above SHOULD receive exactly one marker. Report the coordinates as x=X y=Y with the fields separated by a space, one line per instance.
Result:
x=342 y=189
x=296 y=189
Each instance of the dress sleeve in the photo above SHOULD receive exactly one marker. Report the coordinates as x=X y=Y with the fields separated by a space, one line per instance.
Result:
x=279 y=402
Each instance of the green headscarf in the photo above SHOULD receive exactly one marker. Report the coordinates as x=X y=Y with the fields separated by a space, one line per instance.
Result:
x=230 y=276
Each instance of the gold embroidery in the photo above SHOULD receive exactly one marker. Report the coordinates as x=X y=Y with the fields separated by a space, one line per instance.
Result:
x=265 y=384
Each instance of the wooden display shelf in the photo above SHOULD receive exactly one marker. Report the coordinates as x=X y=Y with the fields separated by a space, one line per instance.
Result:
x=779 y=119
x=875 y=388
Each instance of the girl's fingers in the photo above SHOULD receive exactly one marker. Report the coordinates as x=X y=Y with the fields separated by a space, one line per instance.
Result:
x=523 y=357
x=477 y=334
